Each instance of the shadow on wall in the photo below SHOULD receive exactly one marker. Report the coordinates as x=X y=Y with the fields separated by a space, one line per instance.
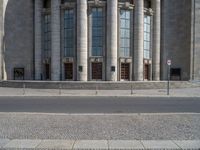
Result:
x=18 y=26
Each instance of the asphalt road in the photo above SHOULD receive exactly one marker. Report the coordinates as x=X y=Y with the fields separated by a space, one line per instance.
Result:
x=99 y=105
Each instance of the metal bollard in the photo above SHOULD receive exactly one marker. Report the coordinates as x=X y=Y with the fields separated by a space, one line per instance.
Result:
x=24 y=89
x=96 y=90
x=60 y=88
x=131 y=89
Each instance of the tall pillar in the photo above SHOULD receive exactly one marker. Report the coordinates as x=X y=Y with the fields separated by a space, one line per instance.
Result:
x=112 y=36
x=82 y=41
x=3 y=75
x=156 y=39
x=55 y=41
x=139 y=41
x=1 y=38
x=38 y=39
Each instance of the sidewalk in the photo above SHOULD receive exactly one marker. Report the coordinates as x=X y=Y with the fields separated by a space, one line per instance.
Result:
x=95 y=144
x=186 y=92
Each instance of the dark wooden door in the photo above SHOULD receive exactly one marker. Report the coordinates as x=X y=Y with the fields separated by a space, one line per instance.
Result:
x=96 y=71
x=69 y=71
x=125 y=71
x=146 y=72
x=47 y=72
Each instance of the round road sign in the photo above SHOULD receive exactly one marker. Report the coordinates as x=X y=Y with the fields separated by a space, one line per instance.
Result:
x=169 y=62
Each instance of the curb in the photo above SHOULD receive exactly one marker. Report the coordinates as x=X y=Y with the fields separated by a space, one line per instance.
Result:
x=150 y=96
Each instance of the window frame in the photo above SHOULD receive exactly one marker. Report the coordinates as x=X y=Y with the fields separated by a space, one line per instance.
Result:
x=69 y=39
x=125 y=29
x=97 y=46
x=147 y=36
x=46 y=35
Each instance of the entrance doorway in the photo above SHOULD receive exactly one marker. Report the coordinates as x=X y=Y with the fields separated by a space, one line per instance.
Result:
x=146 y=72
x=47 y=72
x=125 y=71
x=97 y=71
x=18 y=73
x=175 y=74
x=68 y=71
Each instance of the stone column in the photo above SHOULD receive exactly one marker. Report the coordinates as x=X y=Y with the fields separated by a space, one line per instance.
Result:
x=139 y=41
x=156 y=39
x=112 y=39
x=3 y=73
x=38 y=39
x=55 y=41
x=1 y=38
x=82 y=41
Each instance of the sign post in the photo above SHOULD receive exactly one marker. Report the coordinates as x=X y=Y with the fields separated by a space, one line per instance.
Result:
x=169 y=63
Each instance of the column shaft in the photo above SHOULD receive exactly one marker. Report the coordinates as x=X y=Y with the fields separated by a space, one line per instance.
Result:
x=156 y=39
x=55 y=43
x=139 y=41
x=82 y=41
x=1 y=38
x=38 y=39
x=112 y=39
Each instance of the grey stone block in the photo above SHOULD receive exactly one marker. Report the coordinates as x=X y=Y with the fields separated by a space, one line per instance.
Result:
x=56 y=144
x=3 y=142
x=23 y=144
x=159 y=144
x=91 y=144
x=195 y=144
x=128 y=145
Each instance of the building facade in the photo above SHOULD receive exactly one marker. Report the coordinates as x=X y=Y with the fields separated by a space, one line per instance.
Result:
x=99 y=40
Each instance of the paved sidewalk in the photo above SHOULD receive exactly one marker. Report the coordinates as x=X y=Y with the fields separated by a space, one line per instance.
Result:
x=100 y=126
x=97 y=144
x=186 y=92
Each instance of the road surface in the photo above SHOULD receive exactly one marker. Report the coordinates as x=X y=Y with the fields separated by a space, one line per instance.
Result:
x=99 y=105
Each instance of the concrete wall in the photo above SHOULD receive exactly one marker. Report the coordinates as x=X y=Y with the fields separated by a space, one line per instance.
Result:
x=19 y=37
x=176 y=36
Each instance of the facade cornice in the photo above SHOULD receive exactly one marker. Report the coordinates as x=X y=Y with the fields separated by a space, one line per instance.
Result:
x=68 y=5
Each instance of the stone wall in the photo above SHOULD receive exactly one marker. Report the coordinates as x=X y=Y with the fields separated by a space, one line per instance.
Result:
x=176 y=36
x=96 y=85
x=19 y=37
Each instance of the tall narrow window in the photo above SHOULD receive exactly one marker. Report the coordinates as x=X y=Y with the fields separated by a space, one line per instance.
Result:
x=97 y=31
x=47 y=36
x=125 y=33
x=69 y=46
x=147 y=37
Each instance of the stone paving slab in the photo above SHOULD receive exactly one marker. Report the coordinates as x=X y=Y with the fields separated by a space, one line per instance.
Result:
x=122 y=144
x=91 y=144
x=3 y=142
x=153 y=144
x=56 y=144
x=100 y=144
x=195 y=144
x=22 y=144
